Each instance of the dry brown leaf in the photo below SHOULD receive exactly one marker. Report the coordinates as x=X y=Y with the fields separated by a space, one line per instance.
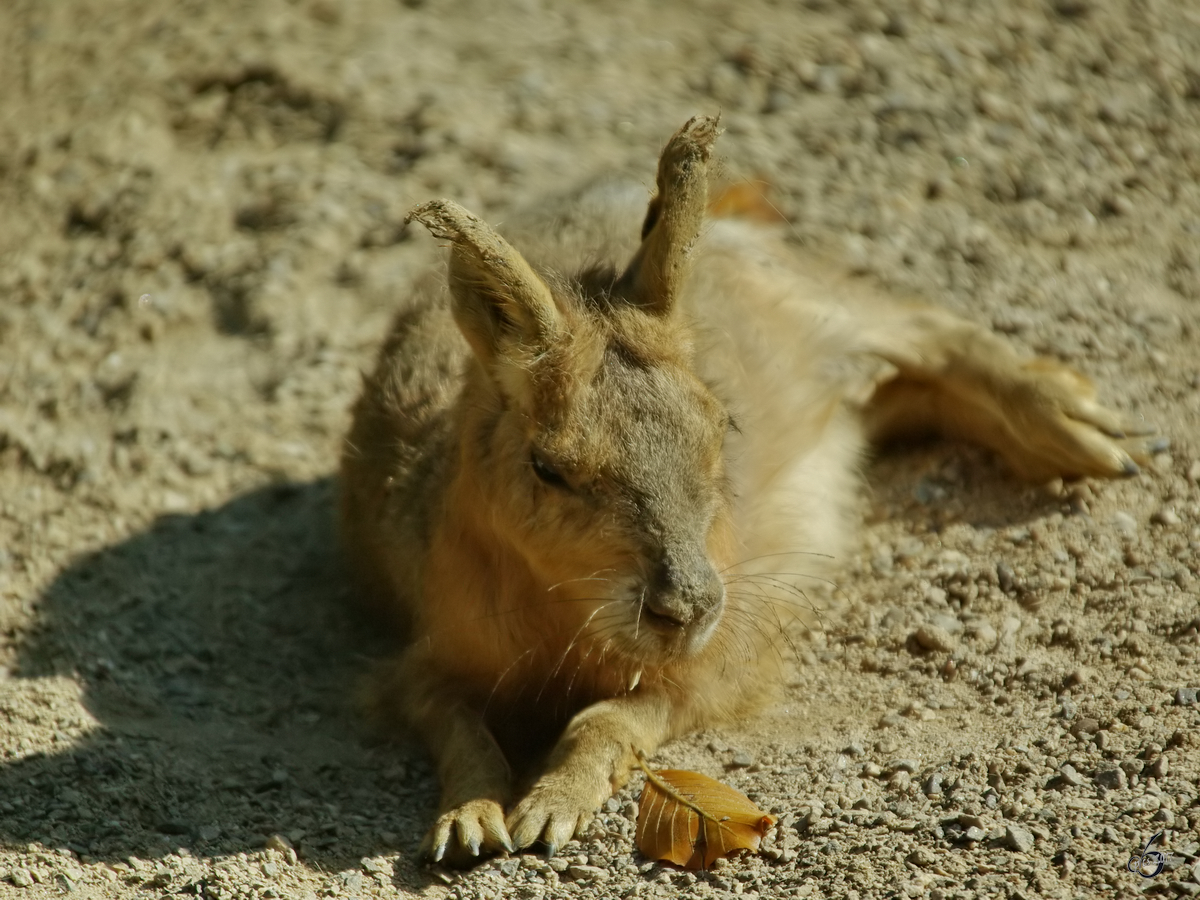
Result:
x=693 y=820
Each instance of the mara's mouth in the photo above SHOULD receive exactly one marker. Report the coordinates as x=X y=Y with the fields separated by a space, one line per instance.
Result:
x=673 y=633
x=661 y=621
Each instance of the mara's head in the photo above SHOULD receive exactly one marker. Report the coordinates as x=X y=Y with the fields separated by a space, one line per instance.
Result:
x=589 y=448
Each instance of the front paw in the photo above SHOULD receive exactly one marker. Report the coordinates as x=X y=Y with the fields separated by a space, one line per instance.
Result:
x=465 y=834
x=555 y=811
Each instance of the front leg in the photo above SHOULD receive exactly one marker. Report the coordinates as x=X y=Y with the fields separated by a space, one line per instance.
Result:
x=476 y=782
x=591 y=760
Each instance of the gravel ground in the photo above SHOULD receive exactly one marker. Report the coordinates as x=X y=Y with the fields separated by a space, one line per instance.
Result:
x=201 y=244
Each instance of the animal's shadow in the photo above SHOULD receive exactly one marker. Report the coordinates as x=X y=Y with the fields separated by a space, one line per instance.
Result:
x=217 y=655
x=931 y=484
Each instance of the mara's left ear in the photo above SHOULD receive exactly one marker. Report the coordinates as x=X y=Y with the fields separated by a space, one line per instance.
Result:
x=656 y=274
x=500 y=304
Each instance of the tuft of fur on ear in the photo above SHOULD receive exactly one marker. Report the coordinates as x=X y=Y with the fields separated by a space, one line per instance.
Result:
x=655 y=276
x=499 y=303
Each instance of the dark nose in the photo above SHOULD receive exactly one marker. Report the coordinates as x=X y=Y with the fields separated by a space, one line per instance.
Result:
x=684 y=591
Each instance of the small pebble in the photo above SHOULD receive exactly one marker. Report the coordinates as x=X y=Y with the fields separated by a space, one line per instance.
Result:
x=1009 y=628
x=1187 y=696
x=741 y=759
x=1145 y=804
x=815 y=810
x=587 y=873
x=1017 y=838
x=1005 y=577
x=20 y=877
x=1165 y=517
x=974 y=834
x=1159 y=768
x=1113 y=779
x=1070 y=776
x=983 y=632
x=1080 y=675
x=1085 y=726
x=950 y=624
x=1125 y=524
x=934 y=638
x=921 y=858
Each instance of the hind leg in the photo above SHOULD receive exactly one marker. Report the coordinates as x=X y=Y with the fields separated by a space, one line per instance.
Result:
x=955 y=378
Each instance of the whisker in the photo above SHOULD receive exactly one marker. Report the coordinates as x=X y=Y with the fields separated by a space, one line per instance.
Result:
x=748 y=575
x=782 y=585
x=531 y=607
x=575 y=674
x=591 y=577
x=791 y=594
x=495 y=687
x=751 y=559
x=570 y=646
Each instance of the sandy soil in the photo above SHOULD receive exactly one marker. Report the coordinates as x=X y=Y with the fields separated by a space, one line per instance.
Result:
x=201 y=242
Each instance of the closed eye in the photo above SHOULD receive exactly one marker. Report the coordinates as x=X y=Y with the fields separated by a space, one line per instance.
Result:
x=547 y=473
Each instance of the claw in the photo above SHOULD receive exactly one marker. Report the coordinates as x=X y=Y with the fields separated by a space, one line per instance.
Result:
x=551 y=849
x=1130 y=468
x=474 y=845
x=439 y=851
x=507 y=844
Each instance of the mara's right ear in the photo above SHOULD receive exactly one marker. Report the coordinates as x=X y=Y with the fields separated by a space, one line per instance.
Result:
x=499 y=302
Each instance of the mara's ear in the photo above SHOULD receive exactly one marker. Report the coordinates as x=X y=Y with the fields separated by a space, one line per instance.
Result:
x=499 y=302
x=658 y=269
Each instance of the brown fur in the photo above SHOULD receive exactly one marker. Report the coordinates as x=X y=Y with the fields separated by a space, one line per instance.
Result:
x=546 y=486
